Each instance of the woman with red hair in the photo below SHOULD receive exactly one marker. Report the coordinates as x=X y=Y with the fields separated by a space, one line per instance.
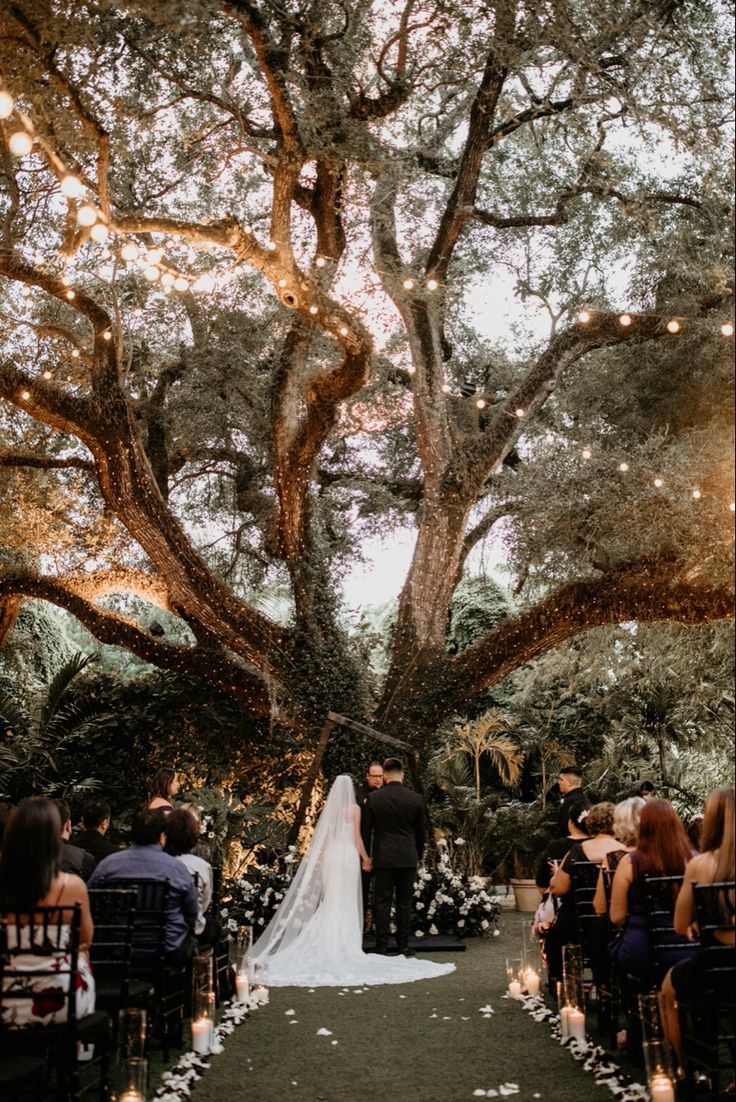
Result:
x=662 y=849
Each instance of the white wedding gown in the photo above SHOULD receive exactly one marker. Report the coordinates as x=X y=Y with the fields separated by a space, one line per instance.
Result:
x=315 y=937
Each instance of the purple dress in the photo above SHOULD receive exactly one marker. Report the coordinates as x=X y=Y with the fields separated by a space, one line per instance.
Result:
x=631 y=949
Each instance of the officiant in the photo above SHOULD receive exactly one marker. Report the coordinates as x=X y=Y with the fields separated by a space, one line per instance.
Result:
x=373 y=781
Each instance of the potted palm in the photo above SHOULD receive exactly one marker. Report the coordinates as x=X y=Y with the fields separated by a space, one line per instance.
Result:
x=518 y=836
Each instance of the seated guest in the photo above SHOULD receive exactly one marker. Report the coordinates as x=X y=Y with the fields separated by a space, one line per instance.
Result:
x=662 y=850
x=599 y=824
x=626 y=831
x=694 y=830
x=164 y=787
x=559 y=848
x=647 y=791
x=715 y=864
x=73 y=858
x=30 y=877
x=90 y=836
x=145 y=860
x=6 y=810
x=182 y=832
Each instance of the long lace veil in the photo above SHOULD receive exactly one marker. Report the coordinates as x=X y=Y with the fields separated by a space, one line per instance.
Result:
x=305 y=892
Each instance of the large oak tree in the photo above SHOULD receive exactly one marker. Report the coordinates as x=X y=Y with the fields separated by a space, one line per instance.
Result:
x=326 y=201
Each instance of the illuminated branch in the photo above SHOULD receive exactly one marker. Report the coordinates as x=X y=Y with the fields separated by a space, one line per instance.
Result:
x=44 y=462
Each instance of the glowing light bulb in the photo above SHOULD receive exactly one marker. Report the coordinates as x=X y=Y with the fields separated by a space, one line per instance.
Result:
x=66 y=278
x=271 y=246
x=697 y=494
x=151 y=273
x=46 y=374
x=283 y=283
x=320 y=262
x=550 y=438
x=99 y=232
x=584 y=317
x=70 y=295
x=732 y=506
x=130 y=251
x=623 y=466
x=408 y=284
x=519 y=412
x=25 y=395
x=72 y=187
x=659 y=482
x=6 y=105
x=75 y=353
x=107 y=335
x=586 y=453
x=481 y=403
x=727 y=329
x=446 y=388
x=25 y=291
x=204 y=283
x=153 y=256
x=248 y=230
x=673 y=326
x=432 y=284
x=625 y=319
x=314 y=309
x=411 y=370
x=181 y=284
x=87 y=215
x=20 y=143
x=344 y=330
x=167 y=279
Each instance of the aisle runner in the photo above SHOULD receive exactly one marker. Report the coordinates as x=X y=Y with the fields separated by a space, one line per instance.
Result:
x=594 y=1058
x=177 y=1082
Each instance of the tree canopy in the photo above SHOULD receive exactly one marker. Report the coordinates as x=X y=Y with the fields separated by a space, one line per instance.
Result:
x=257 y=263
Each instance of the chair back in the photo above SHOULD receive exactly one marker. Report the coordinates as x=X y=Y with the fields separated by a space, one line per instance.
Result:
x=584 y=876
x=714 y=914
x=149 y=917
x=113 y=912
x=39 y=963
x=667 y=947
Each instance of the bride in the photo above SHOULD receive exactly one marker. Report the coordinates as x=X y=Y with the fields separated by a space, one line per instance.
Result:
x=315 y=937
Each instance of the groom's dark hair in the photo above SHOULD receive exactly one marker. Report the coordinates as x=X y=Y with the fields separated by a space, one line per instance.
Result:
x=393 y=765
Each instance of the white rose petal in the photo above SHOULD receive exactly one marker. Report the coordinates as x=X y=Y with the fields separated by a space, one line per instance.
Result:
x=288 y=1013
x=324 y=1032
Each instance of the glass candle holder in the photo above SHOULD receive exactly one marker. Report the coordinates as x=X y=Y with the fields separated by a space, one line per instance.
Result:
x=656 y=1050
x=572 y=1012
x=131 y=1033
x=513 y=973
x=131 y=1079
x=259 y=972
x=240 y=947
x=203 y=1022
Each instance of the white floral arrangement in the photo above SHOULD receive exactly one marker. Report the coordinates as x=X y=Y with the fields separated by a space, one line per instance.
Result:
x=252 y=899
x=177 y=1082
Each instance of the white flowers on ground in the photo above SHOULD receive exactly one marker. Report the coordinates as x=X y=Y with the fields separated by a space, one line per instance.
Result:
x=322 y=1032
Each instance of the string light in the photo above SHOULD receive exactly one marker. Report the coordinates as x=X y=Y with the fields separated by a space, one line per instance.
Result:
x=130 y=251
x=167 y=279
x=271 y=246
x=25 y=395
x=20 y=143
x=481 y=403
x=586 y=453
x=314 y=309
x=75 y=353
x=66 y=278
x=697 y=494
x=408 y=284
x=72 y=187
x=320 y=262
x=99 y=232
x=550 y=438
x=624 y=319
x=204 y=283
x=673 y=326
x=659 y=483
x=344 y=330
x=283 y=283
x=6 y=105
x=25 y=291
x=87 y=215
x=411 y=370
x=107 y=335
x=46 y=375
x=446 y=388
x=732 y=506
x=151 y=274
x=727 y=329
x=153 y=256
x=584 y=317
x=432 y=284
x=70 y=295
x=623 y=467
x=181 y=284
x=519 y=412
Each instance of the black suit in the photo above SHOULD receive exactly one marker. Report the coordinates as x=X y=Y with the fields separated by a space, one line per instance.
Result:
x=573 y=803
x=395 y=817
x=76 y=860
x=93 y=842
x=366 y=878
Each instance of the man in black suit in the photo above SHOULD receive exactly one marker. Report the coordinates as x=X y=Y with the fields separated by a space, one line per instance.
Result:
x=373 y=781
x=574 y=799
x=91 y=835
x=395 y=817
x=72 y=858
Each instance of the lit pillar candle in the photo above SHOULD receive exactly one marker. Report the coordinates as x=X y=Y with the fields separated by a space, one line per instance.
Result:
x=260 y=994
x=576 y=1024
x=564 y=1022
x=515 y=989
x=241 y=987
x=131 y=1096
x=201 y=1035
x=531 y=980
x=661 y=1089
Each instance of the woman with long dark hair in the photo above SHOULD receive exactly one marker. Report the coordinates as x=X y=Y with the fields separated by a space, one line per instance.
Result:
x=715 y=864
x=164 y=787
x=30 y=877
x=662 y=849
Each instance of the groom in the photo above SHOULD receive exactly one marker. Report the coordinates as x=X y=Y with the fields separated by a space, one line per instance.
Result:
x=395 y=817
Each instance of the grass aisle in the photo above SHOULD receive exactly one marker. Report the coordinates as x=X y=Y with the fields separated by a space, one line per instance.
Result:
x=419 y=1042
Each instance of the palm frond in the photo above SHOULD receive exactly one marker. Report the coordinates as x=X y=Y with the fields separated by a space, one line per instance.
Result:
x=59 y=684
x=507 y=759
x=12 y=716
